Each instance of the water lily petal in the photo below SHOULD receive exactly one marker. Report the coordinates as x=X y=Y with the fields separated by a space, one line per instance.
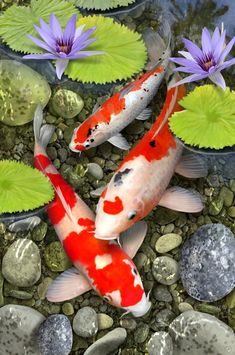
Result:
x=218 y=79
x=194 y=50
x=70 y=29
x=55 y=27
x=40 y=56
x=187 y=55
x=61 y=65
x=215 y=38
x=46 y=28
x=206 y=41
x=46 y=37
x=226 y=50
x=41 y=44
x=84 y=45
x=219 y=46
x=189 y=70
x=190 y=78
x=186 y=62
x=78 y=43
x=227 y=64
x=84 y=54
x=78 y=31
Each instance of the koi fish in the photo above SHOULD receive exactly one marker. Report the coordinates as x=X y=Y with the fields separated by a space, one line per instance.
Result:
x=100 y=265
x=122 y=108
x=140 y=183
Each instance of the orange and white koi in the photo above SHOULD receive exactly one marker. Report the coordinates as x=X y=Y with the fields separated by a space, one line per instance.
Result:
x=140 y=182
x=100 y=265
x=122 y=108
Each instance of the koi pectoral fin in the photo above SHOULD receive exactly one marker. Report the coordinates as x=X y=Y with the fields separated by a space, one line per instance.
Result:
x=179 y=199
x=145 y=114
x=119 y=141
x=132 y=239
x=192 y=166
x=68 y=285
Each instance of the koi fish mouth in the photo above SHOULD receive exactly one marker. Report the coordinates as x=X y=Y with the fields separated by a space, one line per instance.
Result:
x=102 y=237
x=76 y=148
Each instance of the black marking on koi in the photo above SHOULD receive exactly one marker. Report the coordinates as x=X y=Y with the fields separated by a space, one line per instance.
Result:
x=152 y=144
x=118 y=180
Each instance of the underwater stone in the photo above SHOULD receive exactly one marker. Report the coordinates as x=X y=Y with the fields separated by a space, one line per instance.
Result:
x=160 y=343
x=18 y=325
x=168 y=242
x=104 y=321
x=66 y=103
x=227 y=196
x=164 y=215
x=207 y=266
x=95 y=170
x=200 y=333
x=108 y=343
x=24 y=224
x=56 y=258
x=55 y=336
x=21 y=265
x=85 y=322
x=162 y=294
x=21 y=90
x=141 y=333
x=165 y=270
x=68 y=309
x=1 y=290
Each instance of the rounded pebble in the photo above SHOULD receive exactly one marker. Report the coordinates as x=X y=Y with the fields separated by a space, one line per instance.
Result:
x=21 y=265
x=85 y=322
x=141 y=333
x=184 y=306
x=104 y=321
x=162 y=294
x=55 y=257
x=66 y=103
x=168 y=242
x=165 y=270
x=160 y=343
x=207 y=266
x=95 y=170
x=197 y=333
x=55 y=336
x=18 y=325
x=108 y=343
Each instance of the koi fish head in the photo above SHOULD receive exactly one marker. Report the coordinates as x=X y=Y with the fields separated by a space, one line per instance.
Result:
x=87 y=136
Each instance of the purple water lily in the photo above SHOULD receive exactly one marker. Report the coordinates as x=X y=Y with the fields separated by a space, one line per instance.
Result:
x=208 y=61
x=62 y=46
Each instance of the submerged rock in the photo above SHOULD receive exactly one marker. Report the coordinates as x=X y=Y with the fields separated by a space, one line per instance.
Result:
x=200 y=333
x=18 y=326
x=55 y=336
x=56 y=258
x=108 y=343
x=165 y=270
x=160 y=343
x=24 y=224
x=66 y=103
x=207 y=266
x=21 y=90
x=85 y=322
x=21 y=265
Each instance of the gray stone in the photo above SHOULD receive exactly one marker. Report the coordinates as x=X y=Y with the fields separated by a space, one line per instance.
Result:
x=55 y=336
x=104 y=321
x=95 y=170
x=141 y=333
x=21 y=265
x=85 y=322
x=164 y=318
x=21 y=90
x=18 y=327
x=197 y=333
x=108 y=343
x=66 y=103
x=165 y=270
x=168 y=242
x=162 y=294
x=160 y=343
x=207 y=266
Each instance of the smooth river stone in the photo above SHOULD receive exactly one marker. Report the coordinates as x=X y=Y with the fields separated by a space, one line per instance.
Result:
x=207 y=267
x=18 y=327
x=21 y=265
x=21 y=90
x=160 y=343
x=197 y=333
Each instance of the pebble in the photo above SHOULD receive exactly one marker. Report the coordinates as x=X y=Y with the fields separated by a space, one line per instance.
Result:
x=42 y=288
x=197 y=333
x=56 y=258
x=226 y=195
x=85 y=322
x=164 y=318
x=216 y=206
x=165 y=270
x=104 y=321
x=165 y=216
x=66 y=103
x=128 y=323
x=21 y=90
x=18 y=325
x=184 y=306
x=108 y=344
x=162 y=294
x=207 y=266
x=95 y=170
x=24 y=224
x=231 y=211
x=168 y=242
x=40 y=232
x=21 y=265
x=68 y=309
x=160 y=343
x=55 y=336
x=141 y=333
x=1 y=290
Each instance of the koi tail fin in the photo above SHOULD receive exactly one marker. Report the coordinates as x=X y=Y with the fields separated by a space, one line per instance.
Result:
x=43 y=133
x=158 y=45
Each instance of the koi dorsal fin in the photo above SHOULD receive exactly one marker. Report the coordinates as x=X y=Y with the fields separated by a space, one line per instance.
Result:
x=67 y=208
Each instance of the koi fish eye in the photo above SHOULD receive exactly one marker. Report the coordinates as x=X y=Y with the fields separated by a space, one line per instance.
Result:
x=131 y=215
x=135 y=272
x=107 y=298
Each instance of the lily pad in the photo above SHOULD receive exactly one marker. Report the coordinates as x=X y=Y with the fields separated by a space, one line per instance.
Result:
x=102 y=4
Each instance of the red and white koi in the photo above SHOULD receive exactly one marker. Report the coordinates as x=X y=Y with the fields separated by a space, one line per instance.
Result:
x=140 y=182
x=100 y=265
x=122 y=108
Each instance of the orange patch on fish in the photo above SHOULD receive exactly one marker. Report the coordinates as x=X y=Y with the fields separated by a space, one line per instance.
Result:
x=113 y=207
x=87 y=223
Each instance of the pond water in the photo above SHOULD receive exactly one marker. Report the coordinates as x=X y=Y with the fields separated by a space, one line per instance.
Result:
x=181 y=320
